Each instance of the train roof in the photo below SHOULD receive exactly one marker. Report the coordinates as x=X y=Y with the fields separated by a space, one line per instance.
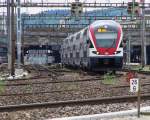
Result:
x=105 y=22
x=95 y=24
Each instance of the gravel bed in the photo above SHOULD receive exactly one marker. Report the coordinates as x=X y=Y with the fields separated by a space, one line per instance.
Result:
x=66 y=91
x=63 y=91
x=67 y=111
x=59 y=92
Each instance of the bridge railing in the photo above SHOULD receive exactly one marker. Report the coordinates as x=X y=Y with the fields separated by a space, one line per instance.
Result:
x=80 y=26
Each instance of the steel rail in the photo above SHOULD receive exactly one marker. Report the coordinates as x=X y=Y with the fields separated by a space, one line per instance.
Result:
x=35 y=93
x=25 y=79
x=52 y=82
x=93 y=101
x=123 y=86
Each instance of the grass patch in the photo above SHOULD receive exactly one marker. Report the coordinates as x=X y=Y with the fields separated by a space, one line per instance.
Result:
x=139 y=68
x=146 y=68
x=2 y=85
x=109 y=79
x=70 y=86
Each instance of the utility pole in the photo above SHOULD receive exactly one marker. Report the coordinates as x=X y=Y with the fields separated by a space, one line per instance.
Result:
x=129 y=49
x=9 y=35
x=133 y=9
x=12 y=41
x=22 y=42
x=18 y=34
x=143 y=46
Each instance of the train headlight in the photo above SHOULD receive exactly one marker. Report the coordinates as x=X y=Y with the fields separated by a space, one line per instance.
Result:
x=106 y=53
x=49 y=51
x=117 y=52
x=97 y=53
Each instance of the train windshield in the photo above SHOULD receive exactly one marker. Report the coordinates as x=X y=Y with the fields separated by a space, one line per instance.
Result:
x=106 y=40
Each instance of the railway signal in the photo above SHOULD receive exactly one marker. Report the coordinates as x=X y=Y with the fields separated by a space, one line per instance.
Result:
x=76 y=8
x=133 y=8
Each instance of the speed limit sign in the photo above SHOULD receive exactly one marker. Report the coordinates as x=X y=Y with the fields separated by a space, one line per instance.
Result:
x=134 y=85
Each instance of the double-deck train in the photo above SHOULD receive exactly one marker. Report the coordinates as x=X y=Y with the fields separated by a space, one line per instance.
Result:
x=96 y=47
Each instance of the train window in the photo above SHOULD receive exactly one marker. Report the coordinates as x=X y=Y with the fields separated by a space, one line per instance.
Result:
x=77 y=54
x=85 y=32
x=71 y=39
x=78 y=36
x=81 y=45
x=66 y=41
x=3 y=49
x=66 y=55
x=71 y=55
x=85 y=54
x=74 y=47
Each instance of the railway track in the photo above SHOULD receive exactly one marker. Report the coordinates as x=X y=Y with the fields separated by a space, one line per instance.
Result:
x=46 y=81
x=62 y=90
x=72 y=103
x=52 y=82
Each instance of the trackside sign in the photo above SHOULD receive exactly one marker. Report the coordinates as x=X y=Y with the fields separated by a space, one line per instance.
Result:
x=134 y=85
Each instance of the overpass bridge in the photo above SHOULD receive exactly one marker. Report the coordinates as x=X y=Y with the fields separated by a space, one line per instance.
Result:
x=57 y=32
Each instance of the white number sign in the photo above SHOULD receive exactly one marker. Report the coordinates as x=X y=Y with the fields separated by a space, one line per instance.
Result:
x=134 y=85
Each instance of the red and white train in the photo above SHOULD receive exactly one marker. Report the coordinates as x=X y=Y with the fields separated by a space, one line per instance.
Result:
x=96 y=47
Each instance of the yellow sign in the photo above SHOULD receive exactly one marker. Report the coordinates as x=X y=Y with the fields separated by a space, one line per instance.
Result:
x=101 y=30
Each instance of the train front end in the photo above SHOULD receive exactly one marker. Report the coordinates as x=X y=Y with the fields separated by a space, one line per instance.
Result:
x=106 y=37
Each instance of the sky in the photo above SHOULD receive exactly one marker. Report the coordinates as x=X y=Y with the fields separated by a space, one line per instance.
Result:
x=36 y=10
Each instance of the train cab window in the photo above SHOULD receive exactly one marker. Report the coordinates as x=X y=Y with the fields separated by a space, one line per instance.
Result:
x=91 y=45
x=121 y=45
x=107 y=40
